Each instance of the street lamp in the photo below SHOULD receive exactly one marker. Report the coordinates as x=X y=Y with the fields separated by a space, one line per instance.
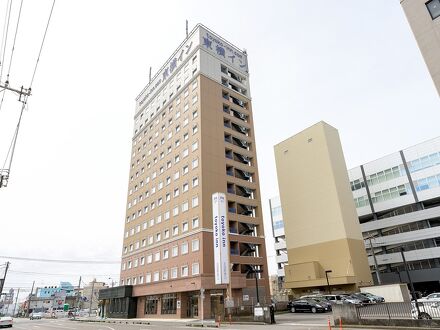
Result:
x=256 y=271
x=328 y=284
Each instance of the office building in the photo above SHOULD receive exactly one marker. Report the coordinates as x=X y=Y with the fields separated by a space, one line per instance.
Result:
x=276 y=215
x=397 y=200
x=193 y=136
x=424 y=18
x=323 y=236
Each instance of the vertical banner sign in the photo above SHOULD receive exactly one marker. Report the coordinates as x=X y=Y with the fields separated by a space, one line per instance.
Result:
x=220 y=238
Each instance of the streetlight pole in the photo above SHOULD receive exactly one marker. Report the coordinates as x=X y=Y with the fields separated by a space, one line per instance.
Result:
x=328 y=283
x=413 y=293
x=376 y=267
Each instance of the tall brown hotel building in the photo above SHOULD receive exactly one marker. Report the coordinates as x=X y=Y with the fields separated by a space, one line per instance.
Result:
x=193 y=136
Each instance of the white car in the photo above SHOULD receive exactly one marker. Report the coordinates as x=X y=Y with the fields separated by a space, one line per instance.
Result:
x=431 y=297
x=36 y=316
x=428 y=310
x=6 y=321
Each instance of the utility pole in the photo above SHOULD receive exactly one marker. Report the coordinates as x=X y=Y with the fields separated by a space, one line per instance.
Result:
x=376 y=267
x=2 y=283
x=77 y=295
x=413 y=293
x=16 y=300
x=91 y=296
x=29 y=300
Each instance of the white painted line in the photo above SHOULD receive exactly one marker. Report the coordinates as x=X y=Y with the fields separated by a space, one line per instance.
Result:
x=305 y=324
x=59 y=326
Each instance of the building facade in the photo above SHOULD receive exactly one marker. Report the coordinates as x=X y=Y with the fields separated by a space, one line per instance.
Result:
x=325 y=248
x=193 y=136
x=277 y=221
x=397 y=200
x=424 y=18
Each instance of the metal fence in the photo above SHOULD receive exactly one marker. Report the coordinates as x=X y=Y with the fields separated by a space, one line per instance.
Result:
x=399 y=310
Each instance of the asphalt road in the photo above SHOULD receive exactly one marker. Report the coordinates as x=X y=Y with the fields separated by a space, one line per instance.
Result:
x=303 y=321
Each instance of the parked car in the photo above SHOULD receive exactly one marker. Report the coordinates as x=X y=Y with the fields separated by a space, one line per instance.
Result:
x=323 y=302
x=428 y=310
x=362 y=298
x=431 y=297
x=334 y=298
x=6 y=322
x=375 y=298
x=349 y=299
x=305 y=305
x=36 y=315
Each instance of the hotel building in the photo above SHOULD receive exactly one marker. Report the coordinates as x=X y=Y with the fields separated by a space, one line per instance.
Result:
x=193 y=136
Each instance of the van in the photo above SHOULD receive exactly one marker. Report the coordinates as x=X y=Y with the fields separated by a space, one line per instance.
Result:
x=334 y=298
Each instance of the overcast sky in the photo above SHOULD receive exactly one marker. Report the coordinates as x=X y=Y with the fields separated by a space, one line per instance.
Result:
x=353 y=64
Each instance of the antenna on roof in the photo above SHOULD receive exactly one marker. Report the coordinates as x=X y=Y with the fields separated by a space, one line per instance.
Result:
x=149 y=80
x=187 y=28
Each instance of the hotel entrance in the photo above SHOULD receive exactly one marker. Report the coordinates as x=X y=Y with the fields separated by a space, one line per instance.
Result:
x=193 y=305
x=217 y=304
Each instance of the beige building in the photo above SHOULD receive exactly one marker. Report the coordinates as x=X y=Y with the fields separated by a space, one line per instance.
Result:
x=90 y=295
x=323 y=235
x=424 y=18
x=193 y=136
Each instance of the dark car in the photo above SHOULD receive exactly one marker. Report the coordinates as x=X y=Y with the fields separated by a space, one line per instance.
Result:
x=305 y=305
x=323 y=302
x=362 y=298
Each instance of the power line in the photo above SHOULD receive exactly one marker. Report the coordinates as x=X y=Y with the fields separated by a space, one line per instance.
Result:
x=6 y=41
x=42 y=43
x=15 y=38
x=58 y=274
x=63 y=261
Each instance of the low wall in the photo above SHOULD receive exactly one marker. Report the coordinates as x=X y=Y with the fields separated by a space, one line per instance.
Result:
x=347 y=313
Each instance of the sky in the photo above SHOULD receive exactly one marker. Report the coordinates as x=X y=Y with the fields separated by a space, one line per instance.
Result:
x=355 y=65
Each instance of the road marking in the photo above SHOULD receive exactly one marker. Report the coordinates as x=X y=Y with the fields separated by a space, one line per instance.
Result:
x=59 y=326
x=305 y=324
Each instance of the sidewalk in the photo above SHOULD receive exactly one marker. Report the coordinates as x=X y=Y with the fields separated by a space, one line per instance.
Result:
x=135 y=320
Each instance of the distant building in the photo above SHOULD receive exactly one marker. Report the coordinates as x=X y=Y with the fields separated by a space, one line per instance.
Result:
x=91 y=293
x=424 y=18
x=50 y=291
x=276 y=215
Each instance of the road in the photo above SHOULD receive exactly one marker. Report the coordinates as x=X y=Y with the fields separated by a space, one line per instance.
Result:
x=303 y=321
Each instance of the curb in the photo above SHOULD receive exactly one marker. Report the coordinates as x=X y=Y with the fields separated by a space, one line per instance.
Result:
x=116 y=322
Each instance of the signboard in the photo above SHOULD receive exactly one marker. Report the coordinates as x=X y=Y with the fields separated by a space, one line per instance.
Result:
x=220 y=239
x=178 y=304
x=258 y=311
x=245 y=297
x=229 y=303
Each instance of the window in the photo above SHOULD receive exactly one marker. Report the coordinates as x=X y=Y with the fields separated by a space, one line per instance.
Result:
x=185 y=187
x=195 y=146
x=169 y=303
x=195 y=181
x=151 y=302
x=195 y=268
x=185 y=206
x=186 y=107
x=176 y=192
x=185 y=226
x=167 y=215
x=195 y=129
x=185 y=136
x=148 y=278
x=177 y=143
x=195 y=245
x=176 y=175
x=175 y=251
x=185 y=152
x=434 y=8
x=149 y=259
x=195 y=201
x=156 y=277
x=129 y=265
x=184 y=248
x=165 y=274
x=194 y=99
x=195 y=222
x=168 y=180
x=165 y=254
x=166 y=233
x=157 y=256
x=186 y=93
x=175 y=230
x=167 y=197
x=141 y=279
x=158 y=237
x=123 y=266
x=185 y=122
x=184 y=271
x=174 y=272
x=177 y=159
x=142 y=261
x=185 y=169
x=134 y=280
x=175 y=211
x=195 y=114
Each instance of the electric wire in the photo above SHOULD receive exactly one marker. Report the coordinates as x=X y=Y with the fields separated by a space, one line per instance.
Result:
x=15 y=38
x=6 y=41
x=59 y=274
x=63 y=261
x=13 y=143
x=41 y=47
